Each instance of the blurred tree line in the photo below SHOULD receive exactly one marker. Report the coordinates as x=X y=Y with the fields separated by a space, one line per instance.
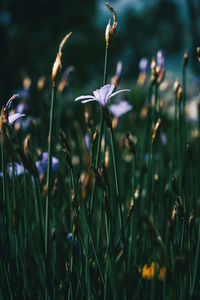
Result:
x=32 y=30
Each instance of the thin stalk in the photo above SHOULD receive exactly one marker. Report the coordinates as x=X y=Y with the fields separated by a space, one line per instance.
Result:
x=49 y=184
x=49 y=172
x=100 y=130
x=196 y=261
x=118 y=196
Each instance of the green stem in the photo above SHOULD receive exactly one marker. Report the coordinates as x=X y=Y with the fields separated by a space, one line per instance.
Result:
x=118 y=196
x=100 y=131
x=49 y=184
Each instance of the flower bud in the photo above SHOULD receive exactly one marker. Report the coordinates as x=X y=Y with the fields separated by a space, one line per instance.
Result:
x=57 y=64
x=110 y=30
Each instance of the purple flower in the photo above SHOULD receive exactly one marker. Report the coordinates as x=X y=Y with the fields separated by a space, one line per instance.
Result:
x=161 y=59
x=11 y=118
x=143 y=64
x=120 y=108
x=43 y=164
x=102 y=95
x=18 y=169
x=21 y=108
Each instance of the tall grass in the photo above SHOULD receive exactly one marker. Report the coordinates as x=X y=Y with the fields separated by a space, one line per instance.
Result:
x=119 y=217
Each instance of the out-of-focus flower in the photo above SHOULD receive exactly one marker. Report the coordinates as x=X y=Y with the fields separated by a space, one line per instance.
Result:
x=76 y=246
x=18 y=169
x=120 y=108
x=41 y=82
x=161 y=59
x=65 y=78
x=87 y=141
x=10 y=118
x=143 y=65
x=102 y=95
x=148 y=272
x=43 y=164
x=163 y=138
x=21 y=108
x=115 y=79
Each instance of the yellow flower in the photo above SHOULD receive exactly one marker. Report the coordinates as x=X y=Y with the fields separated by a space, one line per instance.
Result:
x=148 y=272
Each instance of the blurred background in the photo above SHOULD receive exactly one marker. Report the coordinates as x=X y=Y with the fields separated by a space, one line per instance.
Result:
x=32 y=30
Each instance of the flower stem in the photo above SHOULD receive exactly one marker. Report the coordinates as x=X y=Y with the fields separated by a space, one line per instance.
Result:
x=49 y=178
x=118 y=194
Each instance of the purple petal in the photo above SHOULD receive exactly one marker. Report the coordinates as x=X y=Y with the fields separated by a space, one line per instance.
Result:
x=143 y=64
x=105 y=92
x=89 y=100
x=126 y=90
x=121 y=108
x=12 y=118
x=84 y=97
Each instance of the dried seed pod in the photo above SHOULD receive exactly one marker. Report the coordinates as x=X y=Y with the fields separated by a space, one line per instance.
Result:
x=185 y=58
x=110 y=30
x=57 y=64
x=155 y=131
x=94 y=138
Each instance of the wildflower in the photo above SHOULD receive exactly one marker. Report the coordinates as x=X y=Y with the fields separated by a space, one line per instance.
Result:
x=110 y=30
x=120 y=108
x=18 y=170
x=43 y=163
x=57 y=64
x=102 y=95
x=115 y=79
x=161 y=59
x=143 y=64
x=148 y=272
x=5 y=117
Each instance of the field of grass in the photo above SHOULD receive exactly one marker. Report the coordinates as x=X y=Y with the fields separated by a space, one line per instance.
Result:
x=101 y=200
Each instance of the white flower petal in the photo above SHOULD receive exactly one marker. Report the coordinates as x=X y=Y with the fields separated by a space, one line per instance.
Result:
x=126 y=90
x=84 y=97
x=89 y=100
x=14 y=117
x=105 y=92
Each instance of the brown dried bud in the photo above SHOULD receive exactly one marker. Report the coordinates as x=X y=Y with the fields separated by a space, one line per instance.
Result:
x=108 y=33
x=41 y=82
x=94 y=138
x=185 y=58
x=178 y=90
x=198 y=53
x=26 y=83
x=130 y=143
x=57 y=64
x=110 y=30
x=157 y=126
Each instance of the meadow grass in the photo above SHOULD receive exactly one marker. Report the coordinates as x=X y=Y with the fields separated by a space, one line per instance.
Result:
x=112 y=210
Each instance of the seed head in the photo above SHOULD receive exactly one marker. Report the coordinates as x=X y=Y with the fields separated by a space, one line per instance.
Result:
x=57 y=64
x=110 y=30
